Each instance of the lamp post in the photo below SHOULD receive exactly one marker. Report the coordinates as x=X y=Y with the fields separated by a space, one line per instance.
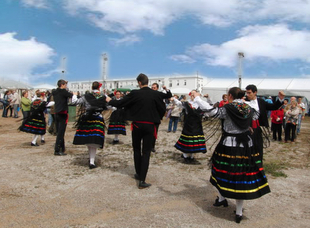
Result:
x=104 y=69
x=63 y=68
x=241 y=56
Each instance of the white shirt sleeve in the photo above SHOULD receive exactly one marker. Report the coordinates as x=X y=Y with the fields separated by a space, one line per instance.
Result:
x=77 y=101
x=51 y=103
x=201 y=103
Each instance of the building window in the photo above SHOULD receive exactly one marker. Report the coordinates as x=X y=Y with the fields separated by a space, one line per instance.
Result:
x=185 y=82
x=178 y=83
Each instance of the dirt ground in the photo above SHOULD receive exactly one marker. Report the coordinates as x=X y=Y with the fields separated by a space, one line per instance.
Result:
x=38 y=189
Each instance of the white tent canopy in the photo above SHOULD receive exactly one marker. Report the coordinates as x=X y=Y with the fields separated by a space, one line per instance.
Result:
x=12 y=84
x=298 y=87
x=44 y=87
x=180 y=91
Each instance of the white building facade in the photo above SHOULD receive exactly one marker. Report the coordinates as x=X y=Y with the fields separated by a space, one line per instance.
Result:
x=177 y=84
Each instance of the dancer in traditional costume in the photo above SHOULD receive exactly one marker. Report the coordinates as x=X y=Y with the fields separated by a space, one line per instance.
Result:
x=237 y=170
x=117 y=120
x=192 y=139
x=35 y=123
x=90 y=124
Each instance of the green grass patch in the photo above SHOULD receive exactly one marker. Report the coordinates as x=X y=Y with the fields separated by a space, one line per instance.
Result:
x=275 y=168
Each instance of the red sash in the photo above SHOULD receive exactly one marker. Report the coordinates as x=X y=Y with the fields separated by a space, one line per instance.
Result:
x=255 y=124
x=144 y=122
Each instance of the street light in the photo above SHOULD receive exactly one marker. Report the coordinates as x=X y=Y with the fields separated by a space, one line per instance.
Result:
x=241 y=56
x=63 y=66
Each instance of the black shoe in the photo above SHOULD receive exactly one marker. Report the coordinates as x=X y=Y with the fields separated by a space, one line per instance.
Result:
x=34 y=144
x=153 y=150
x=222 y=203
x=238 y=218
x=137 y=177
x=143 y=184
x=59 y=154
x=186 y=160
x=42 y=141
x=115 y=142
x=92 y=166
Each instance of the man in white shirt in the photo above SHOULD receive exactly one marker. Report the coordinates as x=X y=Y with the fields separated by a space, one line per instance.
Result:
x=260 y=118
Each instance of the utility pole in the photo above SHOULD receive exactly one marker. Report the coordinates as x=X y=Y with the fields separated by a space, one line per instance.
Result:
x=241 y=56
x=63 y=68
x=104 y=69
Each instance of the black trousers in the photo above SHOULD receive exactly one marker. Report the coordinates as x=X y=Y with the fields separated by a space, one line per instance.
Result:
x=142 y=143
x=290 y=132
x=61 y=125
x=26 y=114
x=277 y=130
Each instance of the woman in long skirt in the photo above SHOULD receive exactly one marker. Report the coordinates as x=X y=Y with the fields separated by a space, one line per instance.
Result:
x=192 y=138
x=117 y=121
x=237 y=170
x=90 y=125
x=35 y=123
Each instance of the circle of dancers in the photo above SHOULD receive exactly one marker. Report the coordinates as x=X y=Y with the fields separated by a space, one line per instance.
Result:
x=237 y=161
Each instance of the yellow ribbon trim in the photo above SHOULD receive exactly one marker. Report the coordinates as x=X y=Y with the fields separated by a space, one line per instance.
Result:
x=197 y=136
x=240 y=191
x=240 y=157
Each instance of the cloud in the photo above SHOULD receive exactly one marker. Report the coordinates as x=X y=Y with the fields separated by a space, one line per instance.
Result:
x=153 y=15
x=182 y=58
x=131 y=16
x=259 y=43
x=19 y=58
x=126 y=40
x=35 y=3
x=284 y=10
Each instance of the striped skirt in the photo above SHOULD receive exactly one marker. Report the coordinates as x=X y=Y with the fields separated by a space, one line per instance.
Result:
x=117 y=123
x=90 y=131
x=238 y=174
x=117 y=128
x=191 y=144
x=34 y=125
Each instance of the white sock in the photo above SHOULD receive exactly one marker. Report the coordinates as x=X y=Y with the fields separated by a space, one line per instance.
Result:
x=42 y=137
x=221 y=198
x=92 y=154
x=239 y=206
x=115 y=137
x=35 y=137
x=185 y=155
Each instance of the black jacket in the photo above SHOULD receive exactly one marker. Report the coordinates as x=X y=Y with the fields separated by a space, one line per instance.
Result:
x=144 y=104
x=61 y=99
x=263 y=107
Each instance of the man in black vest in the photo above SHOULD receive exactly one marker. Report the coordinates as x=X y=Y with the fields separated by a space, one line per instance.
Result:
x=61 y=96
x=145 y=108
x=260 y=117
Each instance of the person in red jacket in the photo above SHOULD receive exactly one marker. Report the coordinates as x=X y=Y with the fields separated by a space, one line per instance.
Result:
x=224 y=101
x=276 y=123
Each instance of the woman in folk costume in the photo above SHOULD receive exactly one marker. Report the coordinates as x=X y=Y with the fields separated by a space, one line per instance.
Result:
x=117 y=121
x=237 y=170
x=90 y=124
x=192 y=139
x=35 y=122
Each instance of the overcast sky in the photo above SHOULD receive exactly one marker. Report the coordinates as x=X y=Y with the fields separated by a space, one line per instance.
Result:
x=157 y=37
